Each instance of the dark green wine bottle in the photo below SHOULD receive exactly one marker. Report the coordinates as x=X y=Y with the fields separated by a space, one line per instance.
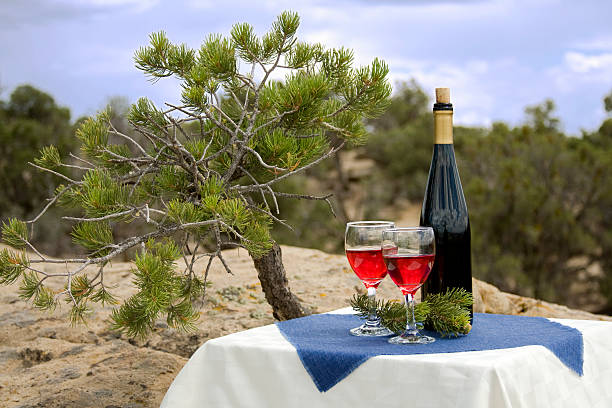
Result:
x=444 y=208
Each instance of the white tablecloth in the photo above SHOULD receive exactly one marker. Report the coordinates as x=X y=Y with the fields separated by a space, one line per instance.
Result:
x=259 y=368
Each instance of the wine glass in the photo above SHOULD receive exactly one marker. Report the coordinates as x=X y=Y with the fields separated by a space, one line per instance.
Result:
x=362 y=242
x=409 y=255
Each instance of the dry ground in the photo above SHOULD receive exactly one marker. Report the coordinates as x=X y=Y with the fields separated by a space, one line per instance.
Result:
x=46 y=363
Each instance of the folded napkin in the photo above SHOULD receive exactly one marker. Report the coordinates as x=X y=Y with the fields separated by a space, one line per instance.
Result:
x=329 y=353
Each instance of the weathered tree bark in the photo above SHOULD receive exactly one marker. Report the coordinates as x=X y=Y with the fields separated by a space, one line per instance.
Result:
x=271 y=273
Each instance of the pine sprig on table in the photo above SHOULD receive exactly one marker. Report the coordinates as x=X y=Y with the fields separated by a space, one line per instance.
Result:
x=447 y=313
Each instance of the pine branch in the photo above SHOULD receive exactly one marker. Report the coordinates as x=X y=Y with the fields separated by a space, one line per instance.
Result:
x=447 y=313
x=291 y=173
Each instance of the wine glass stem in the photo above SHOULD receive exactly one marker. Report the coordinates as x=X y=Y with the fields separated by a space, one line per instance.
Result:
x=411 y=328
x=373 y=320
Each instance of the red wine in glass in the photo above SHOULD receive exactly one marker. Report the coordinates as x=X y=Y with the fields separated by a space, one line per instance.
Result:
x=363 y=246
x=409 y=272
x=368 y=265
x=409 y=255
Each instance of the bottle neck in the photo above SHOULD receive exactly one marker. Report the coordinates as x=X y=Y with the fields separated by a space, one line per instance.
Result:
x=443 y=126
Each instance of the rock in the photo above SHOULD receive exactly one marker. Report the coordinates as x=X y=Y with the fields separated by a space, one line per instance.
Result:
x=67 y=373
x=31 y=356
x=44 y=362
x=534 y=307
x=161 y=325
x=489 y=299
x=9 y=354
x=231 y=293
x=73 y=351
x=103 y=393
x=20 y=318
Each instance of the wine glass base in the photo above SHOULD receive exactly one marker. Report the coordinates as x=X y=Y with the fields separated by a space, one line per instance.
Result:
x=401 y=339
x=370 y=331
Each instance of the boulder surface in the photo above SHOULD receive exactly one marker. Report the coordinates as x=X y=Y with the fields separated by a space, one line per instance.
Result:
x=44 y=362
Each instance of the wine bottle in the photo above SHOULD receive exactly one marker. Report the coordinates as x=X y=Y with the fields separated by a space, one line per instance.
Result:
x=444 y=208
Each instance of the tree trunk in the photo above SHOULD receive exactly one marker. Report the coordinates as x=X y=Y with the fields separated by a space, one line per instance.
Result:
x=271 y=273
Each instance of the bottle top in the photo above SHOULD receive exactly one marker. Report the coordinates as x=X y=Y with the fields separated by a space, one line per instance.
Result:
x=443 y=100
x=443 y=117
x=442 y=95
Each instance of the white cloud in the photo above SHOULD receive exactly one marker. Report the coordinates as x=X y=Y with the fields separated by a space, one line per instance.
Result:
x=16 y=13
x=104 y=61
x=579 y=82
x=582 y=63
x=329 y=38
x=472 y=118
x=469 y=82
x=601 y=43
x=578 y=70
x=201 y=4
x=245 y=4
x=498 y=56
x=140 y=4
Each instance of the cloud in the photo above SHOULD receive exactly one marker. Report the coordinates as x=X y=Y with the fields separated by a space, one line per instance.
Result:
x=104 y=61
x=582 y=63
x=18 y=13
x=201 y=4
x=417 y=2
x=139 y=4
x=602 y=43
x=497 y=55
x=469 y=89
x=578 y=83
x=330 y=38
x=578 y=70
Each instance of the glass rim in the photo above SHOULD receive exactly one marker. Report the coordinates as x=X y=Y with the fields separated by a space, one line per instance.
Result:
x=400 y=229
x=369 y=223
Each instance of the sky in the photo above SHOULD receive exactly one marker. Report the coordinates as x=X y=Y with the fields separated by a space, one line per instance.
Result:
x=497 y=56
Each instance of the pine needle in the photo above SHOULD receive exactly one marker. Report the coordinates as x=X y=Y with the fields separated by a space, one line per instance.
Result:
x=447 y=313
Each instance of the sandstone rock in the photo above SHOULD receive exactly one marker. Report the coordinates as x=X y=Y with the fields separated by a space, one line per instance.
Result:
x=31 y=356
x=44 y=362
x=489 y=299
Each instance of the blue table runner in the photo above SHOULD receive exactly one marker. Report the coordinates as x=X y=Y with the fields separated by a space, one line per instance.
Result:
x=329 y=353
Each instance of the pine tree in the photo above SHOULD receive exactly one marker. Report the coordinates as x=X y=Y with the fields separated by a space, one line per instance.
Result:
x=202 y=170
